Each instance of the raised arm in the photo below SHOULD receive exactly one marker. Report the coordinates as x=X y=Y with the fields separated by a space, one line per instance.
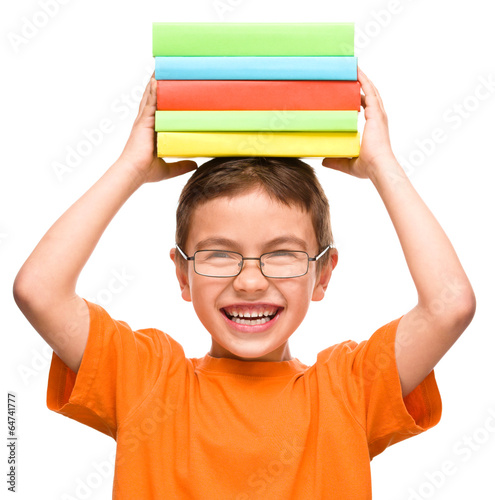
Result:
x=44 y=288
x=446 y=301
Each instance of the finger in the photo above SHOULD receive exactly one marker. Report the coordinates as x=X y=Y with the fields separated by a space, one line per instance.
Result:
x=340 y=164
x=366 y=100
x=378 y=96
x=153 y=88
x=151 y=102
x=179 y=167
x=145 y=97
x=370 y=89
x=365 y=82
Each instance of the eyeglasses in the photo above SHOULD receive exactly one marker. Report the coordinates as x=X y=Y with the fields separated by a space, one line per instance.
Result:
x=227 y=264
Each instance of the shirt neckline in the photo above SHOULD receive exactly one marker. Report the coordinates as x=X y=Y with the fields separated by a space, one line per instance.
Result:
x=211 y=364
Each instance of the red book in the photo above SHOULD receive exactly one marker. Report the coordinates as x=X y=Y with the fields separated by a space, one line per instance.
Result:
x=258 y=95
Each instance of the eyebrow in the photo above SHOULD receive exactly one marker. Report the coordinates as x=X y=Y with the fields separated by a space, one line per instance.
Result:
x=210 y=243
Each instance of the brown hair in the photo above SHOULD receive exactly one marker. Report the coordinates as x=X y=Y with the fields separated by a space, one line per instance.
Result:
x=286 y=179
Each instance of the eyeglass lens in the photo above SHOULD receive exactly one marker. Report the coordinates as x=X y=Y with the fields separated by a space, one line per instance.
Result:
x=274 y=264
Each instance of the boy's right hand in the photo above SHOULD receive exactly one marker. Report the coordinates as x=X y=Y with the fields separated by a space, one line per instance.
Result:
x=139 y=154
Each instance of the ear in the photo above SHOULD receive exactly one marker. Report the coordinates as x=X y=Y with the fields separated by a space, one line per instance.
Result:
x=325 y=275
x=182 y=277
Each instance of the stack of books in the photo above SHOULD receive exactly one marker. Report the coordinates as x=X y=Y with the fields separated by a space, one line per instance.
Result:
x=256 y=89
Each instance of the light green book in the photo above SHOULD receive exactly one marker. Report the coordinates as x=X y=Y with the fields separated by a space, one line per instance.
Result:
x=252 y=120
x=253 y=39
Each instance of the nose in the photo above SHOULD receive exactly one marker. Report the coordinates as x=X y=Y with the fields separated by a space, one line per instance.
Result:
x=250 y=278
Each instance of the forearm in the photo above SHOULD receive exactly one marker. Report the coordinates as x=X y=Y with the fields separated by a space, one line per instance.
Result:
x=443 y=288
x=54 y=266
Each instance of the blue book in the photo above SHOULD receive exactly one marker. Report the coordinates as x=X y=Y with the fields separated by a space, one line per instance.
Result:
x=256 y=68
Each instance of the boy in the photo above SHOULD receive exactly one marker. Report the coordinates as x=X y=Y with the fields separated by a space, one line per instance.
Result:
x=247 y=420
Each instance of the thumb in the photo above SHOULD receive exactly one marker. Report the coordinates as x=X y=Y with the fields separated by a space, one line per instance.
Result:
x=340 y=164
x=179 y=167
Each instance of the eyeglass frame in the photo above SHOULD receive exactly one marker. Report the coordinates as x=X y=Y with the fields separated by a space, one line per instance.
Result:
x=193 y=258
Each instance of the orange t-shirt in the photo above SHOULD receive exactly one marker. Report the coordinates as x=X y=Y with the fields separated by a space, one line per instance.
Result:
x=219 y=428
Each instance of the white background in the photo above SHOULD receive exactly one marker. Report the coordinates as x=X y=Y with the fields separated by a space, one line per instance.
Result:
x=66 y=76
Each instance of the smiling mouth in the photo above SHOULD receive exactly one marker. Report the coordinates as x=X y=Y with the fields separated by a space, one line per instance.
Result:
x=252 y=321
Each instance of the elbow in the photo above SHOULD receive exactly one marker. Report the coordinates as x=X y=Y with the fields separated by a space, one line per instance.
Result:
x=21 y=291
x=467 y=308
x=463 y=312
x=26 y=291
x=33 y=293
x=452 y=313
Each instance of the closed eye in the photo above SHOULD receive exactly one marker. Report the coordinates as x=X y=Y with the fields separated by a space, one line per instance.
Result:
x=220 y=255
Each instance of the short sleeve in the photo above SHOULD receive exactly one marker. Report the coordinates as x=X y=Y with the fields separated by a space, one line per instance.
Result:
x=118 y=371
x=370 y=386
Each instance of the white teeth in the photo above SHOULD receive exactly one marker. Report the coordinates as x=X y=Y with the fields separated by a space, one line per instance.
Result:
x=258 y=314
x=250 y=322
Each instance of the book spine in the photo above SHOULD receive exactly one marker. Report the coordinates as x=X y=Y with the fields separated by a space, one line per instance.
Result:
x=296 y=144
x=279 y=120
x=256 y=68
x=253 y=39
x=257 y=95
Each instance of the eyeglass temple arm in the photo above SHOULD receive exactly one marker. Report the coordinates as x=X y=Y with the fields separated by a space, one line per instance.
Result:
x=322 y=253
x=183 y=254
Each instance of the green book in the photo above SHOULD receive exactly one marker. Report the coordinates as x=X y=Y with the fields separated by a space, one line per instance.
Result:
x=248 y=120
x=253 y=39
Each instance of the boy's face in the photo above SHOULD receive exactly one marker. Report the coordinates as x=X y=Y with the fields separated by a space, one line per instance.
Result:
x=251 y=221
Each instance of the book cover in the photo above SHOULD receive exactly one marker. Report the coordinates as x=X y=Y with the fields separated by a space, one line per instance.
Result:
x=249 y=120
x=258 y=95
x=253 y=39
x=256 y=68
x=296 y=144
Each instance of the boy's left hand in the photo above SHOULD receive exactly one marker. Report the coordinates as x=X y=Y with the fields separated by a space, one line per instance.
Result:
x=375 y=148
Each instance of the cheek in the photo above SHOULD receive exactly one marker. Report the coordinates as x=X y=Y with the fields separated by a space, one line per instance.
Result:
x=204 y=292
x=297 y=292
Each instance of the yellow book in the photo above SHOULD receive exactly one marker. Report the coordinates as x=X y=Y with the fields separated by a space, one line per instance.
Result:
x=296 y=144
